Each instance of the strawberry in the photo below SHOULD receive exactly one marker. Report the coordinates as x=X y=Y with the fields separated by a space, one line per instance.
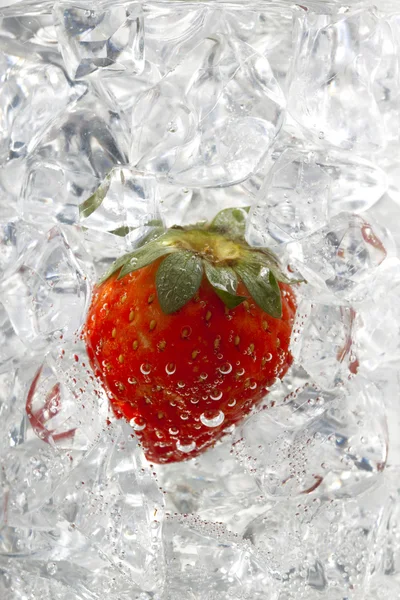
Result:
x=188 y=332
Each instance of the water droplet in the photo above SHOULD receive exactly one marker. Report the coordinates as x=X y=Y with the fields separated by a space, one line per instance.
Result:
x=212 y=421
x=232 y=403
x=268 y=357
x=181 y=384
x=240 y=372
x=184 y=416
x=145 y=368
x=253 y=385
x=226 y=368
x=203 y=376
x=138 y=424
x=185 y=447
x=321 y=135
x=216 y=395
x=132 y=380
x=170 y=368
x=173 y=430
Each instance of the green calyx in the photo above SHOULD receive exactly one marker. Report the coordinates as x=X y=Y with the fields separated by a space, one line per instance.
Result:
x=217 y=250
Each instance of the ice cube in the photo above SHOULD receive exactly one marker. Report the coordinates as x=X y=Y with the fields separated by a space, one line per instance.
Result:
x=47 y=292
x=342 y=452
x=126 y=200
x=356 y=183
x=194 y=487
x=115 y=504
x=72 y=160
x=330 y=91
x=220 y=131
x=211 y=562
x=172 y=32
x=297 y=399
x=323 y=342
x=320 y=548
x=268 y=31
x=240 y=108
x=33 y=96
x=293 y=202
x=342 y=258
x=99 y=37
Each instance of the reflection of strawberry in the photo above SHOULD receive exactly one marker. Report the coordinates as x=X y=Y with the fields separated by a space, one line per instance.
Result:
x=188 y=332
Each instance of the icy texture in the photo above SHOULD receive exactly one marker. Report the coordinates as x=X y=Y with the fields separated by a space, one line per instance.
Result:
x=294 y=201
x=98 y=37
x=116 y=116
x=219 y=127
x=330 y=91
x=342 y=257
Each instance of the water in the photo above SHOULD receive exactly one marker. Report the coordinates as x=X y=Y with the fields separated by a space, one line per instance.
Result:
x=118 y=115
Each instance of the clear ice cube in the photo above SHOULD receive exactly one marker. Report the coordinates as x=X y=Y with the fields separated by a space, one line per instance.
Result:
x=330 y=92
x=71 y=161
x=293 y=202
x=47 y=292
x=342 y=258
x=126 y=200
x=217 y=130
x=341 y=452
x=99 y=37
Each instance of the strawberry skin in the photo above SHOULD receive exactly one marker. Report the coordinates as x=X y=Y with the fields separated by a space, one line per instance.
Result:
x=183 y=379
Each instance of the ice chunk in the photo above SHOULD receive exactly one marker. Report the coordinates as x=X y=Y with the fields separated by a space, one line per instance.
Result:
x=213 y=486
x=126 y=200
x=323 y=342
x=115 y=504
x=268 y=31
x=341 y=452
x=293 y=202
x=330 y=91
x=172 y=32
x=297 y=399
x=356 y=183
x=320 y=548
x=220 y=131
x=163 y=126
x=32 y=97
x=47 y=292
x=71 y=161
x=210 y=562
x=342 y=258
x=99 y=37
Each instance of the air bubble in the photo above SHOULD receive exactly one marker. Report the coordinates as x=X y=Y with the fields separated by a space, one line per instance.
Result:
x=145 y=368
x=225 y=369
x=186 y=448
x=212 y=421
x=137 y=424
x=170 y=368
x=216 y=395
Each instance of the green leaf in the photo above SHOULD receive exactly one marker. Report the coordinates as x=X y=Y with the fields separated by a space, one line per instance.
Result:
x=262 y=286
x=121 y=231
x=95 y=200
x=144 y=256
x=224 y=281
x=178 y=279
x=231 y=221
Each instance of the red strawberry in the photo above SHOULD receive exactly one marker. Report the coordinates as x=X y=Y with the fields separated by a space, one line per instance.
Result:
x=188 y=332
